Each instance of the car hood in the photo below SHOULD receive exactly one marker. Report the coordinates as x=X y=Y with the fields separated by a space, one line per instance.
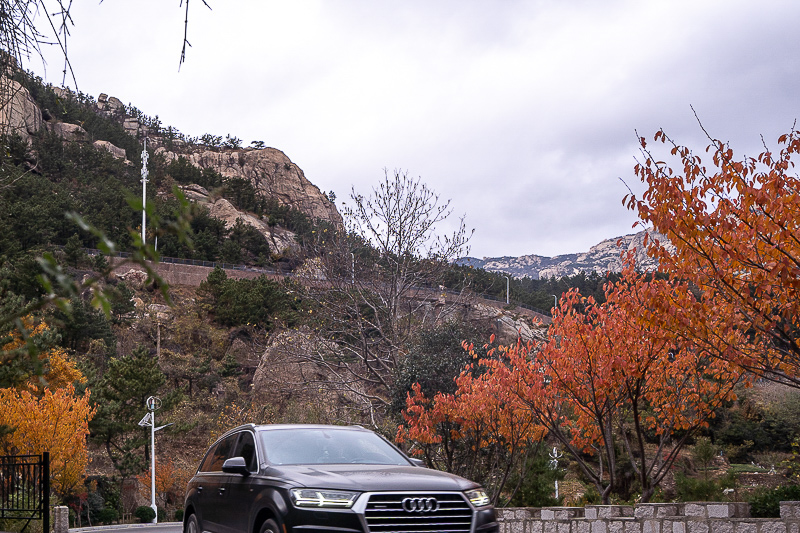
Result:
x=371 y=478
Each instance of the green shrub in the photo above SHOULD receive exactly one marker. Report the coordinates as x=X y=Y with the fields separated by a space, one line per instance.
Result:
x=179 y=515
x=766 y=504
x=107 y=515
x=704 y=489
x=145 y=514
x=162 y=514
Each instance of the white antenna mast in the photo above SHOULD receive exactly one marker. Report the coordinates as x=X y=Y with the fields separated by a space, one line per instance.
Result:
x=144 y=188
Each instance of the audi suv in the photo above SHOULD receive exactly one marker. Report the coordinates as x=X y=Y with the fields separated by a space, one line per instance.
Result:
x=326 y=479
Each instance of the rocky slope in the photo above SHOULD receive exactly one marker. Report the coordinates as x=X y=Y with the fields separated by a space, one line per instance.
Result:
x=272 y=174
x=601 y=258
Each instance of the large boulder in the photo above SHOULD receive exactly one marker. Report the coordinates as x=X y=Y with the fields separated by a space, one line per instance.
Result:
x=69 y=132
x=280 y=240
x=18 y=112
x=116 y=151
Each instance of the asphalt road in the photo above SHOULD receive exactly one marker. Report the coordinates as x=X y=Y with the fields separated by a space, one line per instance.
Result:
x=165 y=527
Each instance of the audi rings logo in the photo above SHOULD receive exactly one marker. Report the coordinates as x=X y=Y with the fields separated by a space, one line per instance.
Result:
x=420 y=505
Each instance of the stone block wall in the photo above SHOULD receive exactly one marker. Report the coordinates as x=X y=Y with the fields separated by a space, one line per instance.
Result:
x=690 y=517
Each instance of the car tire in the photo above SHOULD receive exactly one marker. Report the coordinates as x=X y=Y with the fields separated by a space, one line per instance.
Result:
x=269 y=526
x=192 y=525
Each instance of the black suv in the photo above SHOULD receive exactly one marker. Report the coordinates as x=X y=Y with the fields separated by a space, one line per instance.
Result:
x=331 y=479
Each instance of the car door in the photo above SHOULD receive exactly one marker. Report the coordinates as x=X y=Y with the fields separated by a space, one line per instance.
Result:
x=212 y=487
x=240 y=488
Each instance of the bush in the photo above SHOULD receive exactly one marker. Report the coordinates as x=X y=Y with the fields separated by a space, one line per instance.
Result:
x=690 y=489
x=145 y=514
x=766 y=504
x=162 y=514
x=107 y=515
x=179 y=515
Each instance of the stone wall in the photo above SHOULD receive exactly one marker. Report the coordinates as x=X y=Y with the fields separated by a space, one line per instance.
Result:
x=690 y=517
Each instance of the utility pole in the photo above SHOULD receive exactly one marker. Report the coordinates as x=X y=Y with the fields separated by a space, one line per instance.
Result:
x=144 y=188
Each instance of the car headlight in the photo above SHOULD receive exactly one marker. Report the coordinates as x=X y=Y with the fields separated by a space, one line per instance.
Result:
x=478 y=497
x=323 y=498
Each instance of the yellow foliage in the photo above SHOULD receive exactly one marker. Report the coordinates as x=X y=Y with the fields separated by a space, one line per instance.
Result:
x=59 y=372
x=55 y=422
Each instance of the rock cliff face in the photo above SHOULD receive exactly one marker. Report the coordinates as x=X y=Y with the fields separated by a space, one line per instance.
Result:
x=18 y=112
x=269 y=170
x=601 y=258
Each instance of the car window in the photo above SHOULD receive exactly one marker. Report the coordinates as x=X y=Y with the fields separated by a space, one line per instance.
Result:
x=213 y=463
x=328 y=446
x=246 y=447
x=205 y=466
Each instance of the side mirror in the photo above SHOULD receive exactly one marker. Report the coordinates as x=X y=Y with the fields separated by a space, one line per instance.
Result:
x=414 y=460
x=235 y=465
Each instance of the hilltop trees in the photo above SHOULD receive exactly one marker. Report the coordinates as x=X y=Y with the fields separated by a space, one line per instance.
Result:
x=734 y=226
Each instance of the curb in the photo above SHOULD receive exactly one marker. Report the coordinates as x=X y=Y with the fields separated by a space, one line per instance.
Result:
x=122 y=526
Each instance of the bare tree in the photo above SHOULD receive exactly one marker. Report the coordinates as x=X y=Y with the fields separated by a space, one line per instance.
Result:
x=376 y=282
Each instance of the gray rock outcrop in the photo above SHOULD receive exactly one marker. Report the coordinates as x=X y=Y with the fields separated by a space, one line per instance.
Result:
x=272 y=174
x=280 y=239
x=69 y=132
x=18 y=112
x=116 y=151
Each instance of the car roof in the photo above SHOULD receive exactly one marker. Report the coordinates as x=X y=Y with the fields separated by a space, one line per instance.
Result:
x=271 y=427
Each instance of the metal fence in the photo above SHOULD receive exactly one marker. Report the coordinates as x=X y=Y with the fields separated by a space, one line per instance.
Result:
x=25 y=489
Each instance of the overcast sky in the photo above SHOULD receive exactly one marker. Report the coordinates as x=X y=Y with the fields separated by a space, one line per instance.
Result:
x=523 y=113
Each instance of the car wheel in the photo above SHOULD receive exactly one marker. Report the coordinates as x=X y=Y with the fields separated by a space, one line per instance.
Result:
x=269 y=527
x=192 y=526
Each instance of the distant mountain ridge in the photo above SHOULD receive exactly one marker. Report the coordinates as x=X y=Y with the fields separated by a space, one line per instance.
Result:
x=601 y=258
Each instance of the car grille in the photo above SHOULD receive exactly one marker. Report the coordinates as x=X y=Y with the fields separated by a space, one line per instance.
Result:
x=387 y=513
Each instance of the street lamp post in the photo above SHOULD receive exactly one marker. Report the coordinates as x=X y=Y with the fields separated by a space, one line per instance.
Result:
x=508 y=289
x=555 y=455
x=152 y=403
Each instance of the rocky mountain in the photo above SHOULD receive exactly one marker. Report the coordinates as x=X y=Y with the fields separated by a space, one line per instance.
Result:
x=272 y=174
x=270 y=171
x=601 y=258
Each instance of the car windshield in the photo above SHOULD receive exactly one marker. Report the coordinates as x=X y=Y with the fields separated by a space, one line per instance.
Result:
x=315 y=446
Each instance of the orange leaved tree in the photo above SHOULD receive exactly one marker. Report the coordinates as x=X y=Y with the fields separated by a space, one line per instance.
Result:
x=733 y=230
x=610 y=381
x=615 y=379
x=171 y=481
x=483 y=431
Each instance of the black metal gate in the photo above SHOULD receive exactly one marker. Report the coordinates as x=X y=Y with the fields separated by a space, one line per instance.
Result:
x=25 y=489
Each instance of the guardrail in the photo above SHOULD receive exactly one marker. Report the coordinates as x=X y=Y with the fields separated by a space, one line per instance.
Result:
x=278 y=272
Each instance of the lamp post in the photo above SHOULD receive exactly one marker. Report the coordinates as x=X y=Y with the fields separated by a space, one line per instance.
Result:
x=555 y=455
x=555 y=302
x=152 y=403
x=508 y=289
